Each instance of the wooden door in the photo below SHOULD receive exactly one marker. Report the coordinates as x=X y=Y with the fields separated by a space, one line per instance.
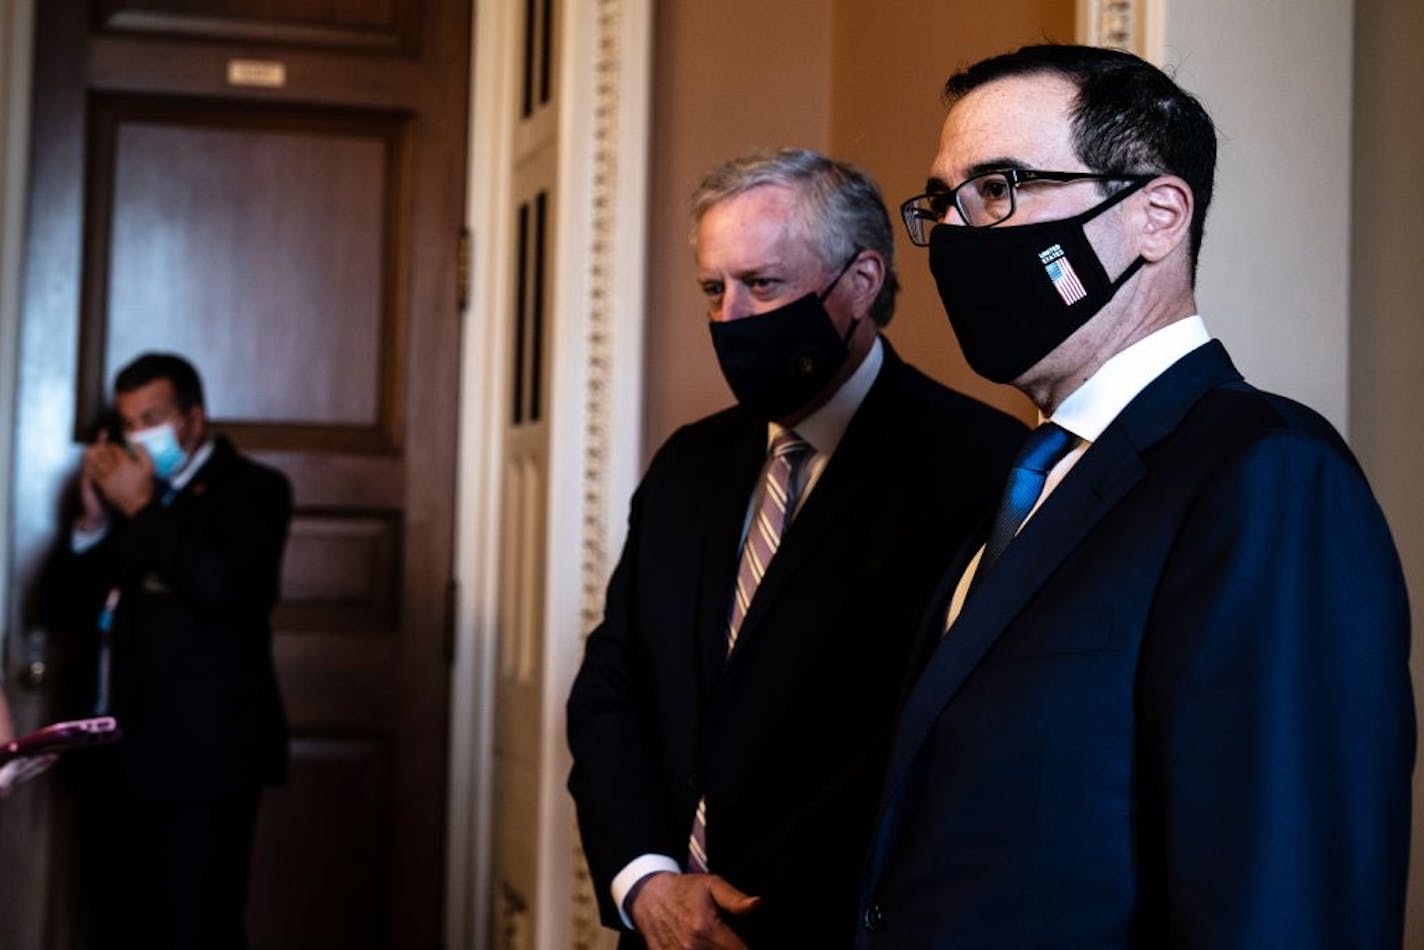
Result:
x=274 y=188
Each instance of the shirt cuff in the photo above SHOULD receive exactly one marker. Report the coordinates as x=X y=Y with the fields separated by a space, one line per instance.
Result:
x=81 y=540
x=637 y=869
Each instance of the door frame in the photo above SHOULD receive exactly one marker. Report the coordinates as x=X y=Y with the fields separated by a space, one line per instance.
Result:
x=603 y=78
x=16 y=49
x=595 y=398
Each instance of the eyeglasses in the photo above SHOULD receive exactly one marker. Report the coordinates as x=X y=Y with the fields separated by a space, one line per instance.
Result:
x=986 y=199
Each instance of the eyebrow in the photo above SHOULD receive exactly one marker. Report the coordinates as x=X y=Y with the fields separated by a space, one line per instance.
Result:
x=773 y=266
x=935 y=184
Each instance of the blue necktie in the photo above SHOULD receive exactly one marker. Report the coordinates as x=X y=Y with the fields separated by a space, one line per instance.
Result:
x=1043 y=449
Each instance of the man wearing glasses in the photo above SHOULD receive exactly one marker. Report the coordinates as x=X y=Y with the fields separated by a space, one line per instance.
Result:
x=1170 y=702
x=732 y=714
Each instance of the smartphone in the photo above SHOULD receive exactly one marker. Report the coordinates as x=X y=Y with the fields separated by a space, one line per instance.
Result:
x=61 y=737
x=110 y=424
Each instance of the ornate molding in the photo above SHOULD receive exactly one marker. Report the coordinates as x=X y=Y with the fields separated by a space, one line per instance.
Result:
x=1133 y=25
x=603 y=241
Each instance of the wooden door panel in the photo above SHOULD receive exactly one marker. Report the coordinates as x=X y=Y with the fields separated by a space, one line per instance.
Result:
x=269 y=239
x=352 y=24
x=297 y=242
x=342 y=573
x=262 y=247
x=350 y=909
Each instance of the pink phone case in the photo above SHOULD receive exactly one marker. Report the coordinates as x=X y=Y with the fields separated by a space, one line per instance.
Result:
x=61 y=737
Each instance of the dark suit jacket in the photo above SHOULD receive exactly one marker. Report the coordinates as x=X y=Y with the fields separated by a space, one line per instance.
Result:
x=1176 y=712
x=193 y=683
x=787 y=736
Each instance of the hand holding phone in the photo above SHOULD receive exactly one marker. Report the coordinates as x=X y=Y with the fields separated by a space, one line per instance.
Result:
x=26 y=757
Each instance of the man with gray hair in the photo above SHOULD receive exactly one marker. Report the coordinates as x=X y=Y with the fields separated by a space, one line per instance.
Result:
x=731 y=716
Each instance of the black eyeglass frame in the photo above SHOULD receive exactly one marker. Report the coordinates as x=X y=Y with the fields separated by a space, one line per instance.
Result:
x=911 y=215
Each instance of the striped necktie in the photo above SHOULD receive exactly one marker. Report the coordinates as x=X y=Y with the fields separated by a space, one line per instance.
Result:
x=776 y=504
x=774 y=509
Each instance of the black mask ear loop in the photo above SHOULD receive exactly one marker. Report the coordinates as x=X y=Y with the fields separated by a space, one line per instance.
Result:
x=850 y=330
x=1092 y=213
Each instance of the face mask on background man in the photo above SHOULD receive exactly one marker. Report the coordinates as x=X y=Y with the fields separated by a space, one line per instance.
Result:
x=161 y=444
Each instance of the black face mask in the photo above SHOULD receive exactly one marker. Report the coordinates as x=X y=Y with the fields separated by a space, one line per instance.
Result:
x=1013 y=294
x=777 y=362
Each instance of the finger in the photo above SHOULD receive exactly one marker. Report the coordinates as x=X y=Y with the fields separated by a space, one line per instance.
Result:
x=103 y=458
x=730 y=899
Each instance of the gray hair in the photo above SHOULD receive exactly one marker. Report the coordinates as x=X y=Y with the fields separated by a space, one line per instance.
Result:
x=839 y=212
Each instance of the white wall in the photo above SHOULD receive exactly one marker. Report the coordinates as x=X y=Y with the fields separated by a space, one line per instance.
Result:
x=1276 y=75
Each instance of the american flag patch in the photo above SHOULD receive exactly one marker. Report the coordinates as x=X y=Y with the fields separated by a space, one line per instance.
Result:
x=1060 y=272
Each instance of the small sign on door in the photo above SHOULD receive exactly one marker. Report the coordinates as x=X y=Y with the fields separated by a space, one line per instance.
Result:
x=256 y=72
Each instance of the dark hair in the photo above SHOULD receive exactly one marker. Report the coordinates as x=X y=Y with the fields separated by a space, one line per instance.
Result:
x=1130 y=116
x=841 y=211
x=187 y=387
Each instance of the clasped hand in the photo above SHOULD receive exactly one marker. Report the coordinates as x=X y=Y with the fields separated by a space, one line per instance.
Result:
x=684 y=911
x=114 y=474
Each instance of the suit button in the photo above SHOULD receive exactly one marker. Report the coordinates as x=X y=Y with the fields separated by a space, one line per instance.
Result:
x=874 y=918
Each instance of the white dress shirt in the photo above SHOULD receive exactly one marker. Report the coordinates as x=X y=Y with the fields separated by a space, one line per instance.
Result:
x=1096 y=403
x=823 y=431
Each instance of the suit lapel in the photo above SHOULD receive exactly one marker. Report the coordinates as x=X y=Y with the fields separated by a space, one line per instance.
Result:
x=931 y=629
x=1106 y=472
x=861 y=453
x=731 y=480
x=214 y=469
x=1101 y=477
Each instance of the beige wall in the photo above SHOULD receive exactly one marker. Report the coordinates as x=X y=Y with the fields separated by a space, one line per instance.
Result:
x=1387 y=320
x=837 y=75
x=1275 y=265
x=728 y=77
x=890 y=62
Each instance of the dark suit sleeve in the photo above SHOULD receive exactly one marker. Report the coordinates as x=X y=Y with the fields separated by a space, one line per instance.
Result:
x=219 y=554
x=1277 y=711
x=614 y=781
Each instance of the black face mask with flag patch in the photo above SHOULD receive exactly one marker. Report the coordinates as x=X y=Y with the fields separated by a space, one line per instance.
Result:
x=1013 y=294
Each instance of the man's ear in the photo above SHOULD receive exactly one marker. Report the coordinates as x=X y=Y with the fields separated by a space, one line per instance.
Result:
x=1166 y=217
x=866 y=276
x=197 y=425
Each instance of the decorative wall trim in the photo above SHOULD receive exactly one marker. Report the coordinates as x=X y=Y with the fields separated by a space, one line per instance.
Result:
x=596 y=550
x=613 y=72
x=1137 y=26
x=598 y=119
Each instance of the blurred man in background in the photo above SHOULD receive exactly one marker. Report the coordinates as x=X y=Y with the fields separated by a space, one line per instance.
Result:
x=177 y=553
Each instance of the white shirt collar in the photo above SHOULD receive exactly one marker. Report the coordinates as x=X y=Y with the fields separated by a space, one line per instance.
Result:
x=186 y=473
x=1095 y=404
x=824 y=428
